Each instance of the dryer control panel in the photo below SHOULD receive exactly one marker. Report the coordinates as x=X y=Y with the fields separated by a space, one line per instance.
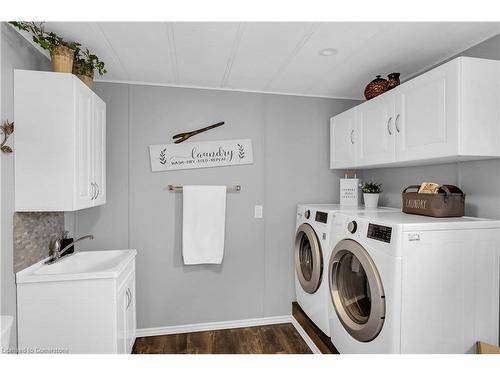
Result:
x=321 y=217
x=379 y=232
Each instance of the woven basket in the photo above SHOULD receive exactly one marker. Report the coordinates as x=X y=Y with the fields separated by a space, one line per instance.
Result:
x=88 y=80
x=62 y=59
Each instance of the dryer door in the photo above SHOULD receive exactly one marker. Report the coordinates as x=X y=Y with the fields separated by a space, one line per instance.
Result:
x=308 y=258
x=356 y=290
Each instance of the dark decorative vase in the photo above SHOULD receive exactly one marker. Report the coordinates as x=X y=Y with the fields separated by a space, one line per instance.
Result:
x=376 y=87
x=393 y=80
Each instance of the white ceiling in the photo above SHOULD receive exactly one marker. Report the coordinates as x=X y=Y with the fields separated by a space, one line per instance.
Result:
x=277 y=57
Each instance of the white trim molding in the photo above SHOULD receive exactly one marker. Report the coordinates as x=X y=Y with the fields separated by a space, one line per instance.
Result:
x=196 y=87
x=212 y=326
x=310 y=343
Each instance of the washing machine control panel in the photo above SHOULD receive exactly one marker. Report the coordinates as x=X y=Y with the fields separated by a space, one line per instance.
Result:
x=321 y=217
x=379 y=232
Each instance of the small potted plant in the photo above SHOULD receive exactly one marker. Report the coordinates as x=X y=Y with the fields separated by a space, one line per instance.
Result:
x=85 y=65
x=371 y=193
x=61 y=52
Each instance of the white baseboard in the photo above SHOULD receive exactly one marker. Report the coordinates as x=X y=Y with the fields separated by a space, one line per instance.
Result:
x=212 y=326
x=199 y=327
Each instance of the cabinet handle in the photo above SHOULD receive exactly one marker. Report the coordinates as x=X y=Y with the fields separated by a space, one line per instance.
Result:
x=93 y=191
x=397 y=123
x=389 y=125
x=98 y=190
x=129 y=299
x=352 y=134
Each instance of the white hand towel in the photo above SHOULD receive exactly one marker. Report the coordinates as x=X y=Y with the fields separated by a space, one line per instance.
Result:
x=203 y=224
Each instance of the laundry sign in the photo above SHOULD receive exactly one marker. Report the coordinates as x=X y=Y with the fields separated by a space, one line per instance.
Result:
x=192 y=155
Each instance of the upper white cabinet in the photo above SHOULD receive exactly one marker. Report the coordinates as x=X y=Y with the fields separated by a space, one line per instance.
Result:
x=427 y=119
x=60 y=143
x=450 y=113
x=99 y=150
x=375 y=130
x=342 y=140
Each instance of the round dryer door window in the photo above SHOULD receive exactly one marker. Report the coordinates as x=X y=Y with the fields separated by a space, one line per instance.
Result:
x=356 y=290
x=308 y=258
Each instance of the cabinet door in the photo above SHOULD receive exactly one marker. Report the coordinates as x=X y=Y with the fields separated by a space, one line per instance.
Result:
x=83 y=131
x=130 y=315
x=342 y=140
x=376 y=131
x=126 y=316
x=99 y=150
x=427 y=115
x=121 y=321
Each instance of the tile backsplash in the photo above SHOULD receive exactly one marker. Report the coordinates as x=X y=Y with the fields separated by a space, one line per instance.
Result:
x=32 y=234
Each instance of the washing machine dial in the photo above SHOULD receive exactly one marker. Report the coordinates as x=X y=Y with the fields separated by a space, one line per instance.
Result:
x=352 y=227
x=307 y=214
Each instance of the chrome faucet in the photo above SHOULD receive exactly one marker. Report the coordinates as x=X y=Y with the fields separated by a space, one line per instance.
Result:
x=56 y=251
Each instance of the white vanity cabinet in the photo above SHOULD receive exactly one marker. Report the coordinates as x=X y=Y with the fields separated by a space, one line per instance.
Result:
x=60 y=143
x=450 y=113
x=125 y=318
x=85 y=303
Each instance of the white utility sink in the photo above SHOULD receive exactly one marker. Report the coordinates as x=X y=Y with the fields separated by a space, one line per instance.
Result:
x=81 y=265
x=64 y=306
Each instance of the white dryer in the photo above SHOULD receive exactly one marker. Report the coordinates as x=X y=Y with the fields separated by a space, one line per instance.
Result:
x=312 y=251
x=403 y=283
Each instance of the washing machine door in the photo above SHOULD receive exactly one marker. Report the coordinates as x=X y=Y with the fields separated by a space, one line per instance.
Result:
x=308 y=258
x=356 y=290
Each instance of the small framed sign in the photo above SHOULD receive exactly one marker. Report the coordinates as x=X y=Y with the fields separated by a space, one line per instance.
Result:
x=192 y=155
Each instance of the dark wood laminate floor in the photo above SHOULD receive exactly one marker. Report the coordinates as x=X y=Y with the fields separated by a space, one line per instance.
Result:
x=321 y=340
x=270 y=339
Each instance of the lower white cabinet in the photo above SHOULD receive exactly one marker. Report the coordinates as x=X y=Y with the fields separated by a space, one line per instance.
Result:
x=126 y=321
x=450 y=113
x=78 y=315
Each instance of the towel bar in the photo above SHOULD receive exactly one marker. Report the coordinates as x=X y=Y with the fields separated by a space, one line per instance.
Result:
x=232 y=189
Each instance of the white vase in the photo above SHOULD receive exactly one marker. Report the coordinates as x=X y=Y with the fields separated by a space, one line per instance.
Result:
x=371 y=200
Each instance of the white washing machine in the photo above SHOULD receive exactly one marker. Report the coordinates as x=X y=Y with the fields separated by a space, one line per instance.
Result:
x=403 y=283
x=312 y=251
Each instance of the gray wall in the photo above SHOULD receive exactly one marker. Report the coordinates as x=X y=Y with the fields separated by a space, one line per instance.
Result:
x=16 y=53
x=290 y=141
x=479 y=179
